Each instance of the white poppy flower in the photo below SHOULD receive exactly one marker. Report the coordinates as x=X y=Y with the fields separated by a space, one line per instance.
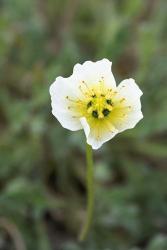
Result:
x=89 y=99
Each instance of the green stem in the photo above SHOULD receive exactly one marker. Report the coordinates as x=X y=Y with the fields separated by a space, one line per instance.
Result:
x=90 y=192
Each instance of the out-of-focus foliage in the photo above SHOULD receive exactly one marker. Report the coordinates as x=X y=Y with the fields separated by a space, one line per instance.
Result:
x=42 y=167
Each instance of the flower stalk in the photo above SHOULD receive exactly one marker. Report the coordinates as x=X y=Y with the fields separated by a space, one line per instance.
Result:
x=90 y=192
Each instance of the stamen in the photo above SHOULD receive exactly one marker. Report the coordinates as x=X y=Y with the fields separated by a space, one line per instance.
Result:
x=72 y=100
x=128 y=107
x=74 y=116
x=122 y=100
x=80 y=88
x=85 y=85
x=84 y=92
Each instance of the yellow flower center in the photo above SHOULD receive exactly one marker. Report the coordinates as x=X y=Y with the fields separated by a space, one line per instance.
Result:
x=99 y=106
x=99 y=103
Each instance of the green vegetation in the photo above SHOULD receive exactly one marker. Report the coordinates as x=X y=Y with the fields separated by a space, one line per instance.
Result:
x=42 y=165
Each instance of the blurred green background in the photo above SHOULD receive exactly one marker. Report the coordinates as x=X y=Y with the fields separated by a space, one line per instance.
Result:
x=42 y=165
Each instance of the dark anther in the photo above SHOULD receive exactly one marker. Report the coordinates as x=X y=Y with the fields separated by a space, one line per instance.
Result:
x=102 y=95
x=95 y=114
x=108 y=101
x=94 y=96
x=106 y=112
x=89 y=104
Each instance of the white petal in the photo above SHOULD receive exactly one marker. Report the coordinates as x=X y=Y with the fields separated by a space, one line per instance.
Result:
x=132 y=119
x=92 y=72
x=92 y=139
x=131 y=92
x=59 y=90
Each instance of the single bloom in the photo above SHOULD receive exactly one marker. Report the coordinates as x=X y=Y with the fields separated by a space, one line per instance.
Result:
x=90 y=100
